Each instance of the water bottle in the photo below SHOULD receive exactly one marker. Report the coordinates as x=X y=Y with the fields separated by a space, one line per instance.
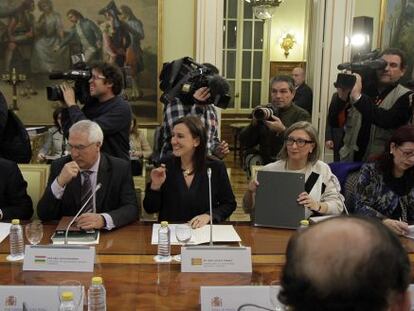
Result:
x=304 y=224
x=16 y=241
x=67 y=303
x=164 y=245
x=97 y=295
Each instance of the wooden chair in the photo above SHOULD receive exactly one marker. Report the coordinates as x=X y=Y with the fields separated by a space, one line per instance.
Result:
x=36 y=176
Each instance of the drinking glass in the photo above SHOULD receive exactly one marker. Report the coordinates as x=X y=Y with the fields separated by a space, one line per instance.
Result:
x=34 y=232
x=183 y=233
x=274 y=289
x=76 y=288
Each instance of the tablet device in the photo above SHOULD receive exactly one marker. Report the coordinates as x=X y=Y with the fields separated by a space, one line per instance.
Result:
x=276 y=199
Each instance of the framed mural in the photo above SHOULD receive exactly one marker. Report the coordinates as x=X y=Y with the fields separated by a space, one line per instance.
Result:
x=397 y=29
x=38 y=37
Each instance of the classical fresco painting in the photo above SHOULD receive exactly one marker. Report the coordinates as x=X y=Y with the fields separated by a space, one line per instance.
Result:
x=397 y=29
x=40 y=37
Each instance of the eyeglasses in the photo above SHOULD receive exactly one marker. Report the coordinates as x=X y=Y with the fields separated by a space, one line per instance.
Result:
x=406 y=154
x=78 y=147
x=97 y=77
x=299 y=142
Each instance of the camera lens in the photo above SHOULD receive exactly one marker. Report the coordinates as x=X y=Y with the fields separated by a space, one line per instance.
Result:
x=262 y=113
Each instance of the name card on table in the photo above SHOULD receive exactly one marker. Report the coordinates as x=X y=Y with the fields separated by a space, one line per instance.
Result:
x=231 y=298
x=59 y=258
x=39 y=298
x=216 y=259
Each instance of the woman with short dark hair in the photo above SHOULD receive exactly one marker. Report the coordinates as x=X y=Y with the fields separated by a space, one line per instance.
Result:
x=385 y=189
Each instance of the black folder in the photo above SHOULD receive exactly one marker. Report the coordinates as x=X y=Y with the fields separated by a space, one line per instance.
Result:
x=276 y=199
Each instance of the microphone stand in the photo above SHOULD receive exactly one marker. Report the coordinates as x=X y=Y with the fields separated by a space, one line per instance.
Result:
x=339 y=192
x=211 y=205
x=98 y=186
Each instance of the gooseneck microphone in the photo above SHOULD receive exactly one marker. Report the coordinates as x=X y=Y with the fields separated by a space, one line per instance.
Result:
x=210 y=204
x=98 y=186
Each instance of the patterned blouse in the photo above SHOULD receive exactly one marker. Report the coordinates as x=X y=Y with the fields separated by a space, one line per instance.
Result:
x=376 y=198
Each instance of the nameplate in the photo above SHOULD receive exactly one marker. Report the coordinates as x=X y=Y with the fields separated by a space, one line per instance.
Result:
x=216 y=259
x=231 y=298
x=39 y=298
x=59 y=258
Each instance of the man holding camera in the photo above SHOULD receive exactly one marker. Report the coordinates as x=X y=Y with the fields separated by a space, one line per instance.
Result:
x=268 y=132
x=175 y=109
x=376 y=110
x=107 y=108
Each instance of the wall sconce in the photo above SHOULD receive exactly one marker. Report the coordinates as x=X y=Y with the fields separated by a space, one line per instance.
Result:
x=288 y=41
x=263 y=9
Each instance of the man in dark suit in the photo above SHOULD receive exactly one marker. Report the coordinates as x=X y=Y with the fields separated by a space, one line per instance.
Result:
x=14 y=201
x=73 y=178
x=303 y=93
x=323 y=273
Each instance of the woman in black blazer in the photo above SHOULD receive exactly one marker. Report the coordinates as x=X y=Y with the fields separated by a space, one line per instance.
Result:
x=179 y=188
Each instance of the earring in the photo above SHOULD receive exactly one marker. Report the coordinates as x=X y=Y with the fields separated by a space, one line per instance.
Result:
x=390 y=152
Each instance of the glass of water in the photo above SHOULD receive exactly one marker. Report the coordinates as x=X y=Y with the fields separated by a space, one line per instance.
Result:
x=34 y=232
x=183 y=233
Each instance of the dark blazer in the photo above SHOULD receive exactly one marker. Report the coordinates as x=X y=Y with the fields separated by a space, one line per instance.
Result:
x=116 y=197
x=175 y=202
x=14 y=200
x=303 y=97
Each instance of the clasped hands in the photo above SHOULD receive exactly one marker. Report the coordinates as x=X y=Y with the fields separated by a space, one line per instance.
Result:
x=303 y=198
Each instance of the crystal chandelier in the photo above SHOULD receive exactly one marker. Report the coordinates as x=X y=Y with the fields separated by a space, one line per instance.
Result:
x=263 y=9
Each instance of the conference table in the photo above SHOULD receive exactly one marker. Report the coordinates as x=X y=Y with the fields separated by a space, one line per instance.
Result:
x=134 y=281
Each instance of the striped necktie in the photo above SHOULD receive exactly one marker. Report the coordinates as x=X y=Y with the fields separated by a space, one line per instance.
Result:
x=86 y=191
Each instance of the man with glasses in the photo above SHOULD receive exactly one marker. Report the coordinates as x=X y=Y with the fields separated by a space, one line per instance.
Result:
x=107 y=108
x=268 y=134
x=73 y=179
x=377 y=109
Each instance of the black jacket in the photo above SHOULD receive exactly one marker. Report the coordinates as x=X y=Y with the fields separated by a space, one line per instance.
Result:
x=116 y=197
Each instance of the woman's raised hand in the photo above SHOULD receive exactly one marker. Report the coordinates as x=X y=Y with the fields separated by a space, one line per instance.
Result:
x=158 y=176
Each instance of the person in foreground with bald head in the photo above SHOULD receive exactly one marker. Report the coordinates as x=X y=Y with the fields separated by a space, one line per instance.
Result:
x=346 y=263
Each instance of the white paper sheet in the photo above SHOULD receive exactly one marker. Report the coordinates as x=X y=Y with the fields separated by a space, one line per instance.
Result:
x=410 y=235
x=4 y=230
x=221 y=233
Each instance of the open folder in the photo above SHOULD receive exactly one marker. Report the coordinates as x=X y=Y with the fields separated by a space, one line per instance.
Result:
x=221 y=233
x=276 y=199
x=75 y=234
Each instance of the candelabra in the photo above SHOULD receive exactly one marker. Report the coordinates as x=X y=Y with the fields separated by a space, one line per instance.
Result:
x=14 y=79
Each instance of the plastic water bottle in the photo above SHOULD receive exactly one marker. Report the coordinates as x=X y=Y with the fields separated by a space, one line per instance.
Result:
x=96 y=295
x=164 y=244
x=16 y=241
x=67 y=303
x=304 y=224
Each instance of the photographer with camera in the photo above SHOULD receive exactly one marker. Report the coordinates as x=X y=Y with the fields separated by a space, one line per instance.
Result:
x=198 y=105
x=377 y=108
x=269 y=122
x=106 y=107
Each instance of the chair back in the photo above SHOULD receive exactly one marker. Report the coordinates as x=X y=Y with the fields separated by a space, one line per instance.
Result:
x=36 y=176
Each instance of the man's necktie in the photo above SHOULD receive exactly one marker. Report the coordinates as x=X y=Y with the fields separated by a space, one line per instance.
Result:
x=86 y=191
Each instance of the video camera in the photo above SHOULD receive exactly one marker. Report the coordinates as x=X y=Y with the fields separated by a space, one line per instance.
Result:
x=182 y=77
x=80 y=73
x=365 y=65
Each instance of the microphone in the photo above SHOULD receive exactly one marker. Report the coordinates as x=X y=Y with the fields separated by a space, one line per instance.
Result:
x=98 y=186
x=211 y=206
x=334 y=181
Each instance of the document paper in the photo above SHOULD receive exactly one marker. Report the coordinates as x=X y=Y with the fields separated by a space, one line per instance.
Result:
x=4 y=230
x=221 y=233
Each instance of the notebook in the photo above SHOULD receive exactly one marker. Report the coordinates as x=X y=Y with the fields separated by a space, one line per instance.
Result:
x=276 y=199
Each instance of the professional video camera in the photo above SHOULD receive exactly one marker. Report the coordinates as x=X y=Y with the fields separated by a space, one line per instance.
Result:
x=80 y=73
x=365 y=65
x=182 y=77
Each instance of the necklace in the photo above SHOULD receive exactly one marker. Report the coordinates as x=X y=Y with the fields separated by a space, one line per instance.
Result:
x=187 y=172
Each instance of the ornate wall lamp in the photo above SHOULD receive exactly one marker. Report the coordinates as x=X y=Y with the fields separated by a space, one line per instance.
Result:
x=287 y=43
